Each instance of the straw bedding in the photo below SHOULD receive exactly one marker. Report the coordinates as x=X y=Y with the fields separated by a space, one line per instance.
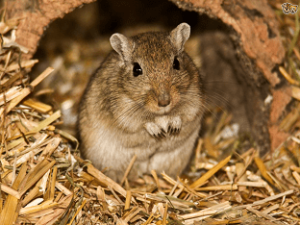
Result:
x=44 y=180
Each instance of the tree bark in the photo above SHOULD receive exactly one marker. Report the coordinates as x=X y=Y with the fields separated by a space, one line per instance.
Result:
x=36 y=15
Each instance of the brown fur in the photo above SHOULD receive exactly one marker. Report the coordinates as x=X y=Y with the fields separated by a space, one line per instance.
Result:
x=119 y=115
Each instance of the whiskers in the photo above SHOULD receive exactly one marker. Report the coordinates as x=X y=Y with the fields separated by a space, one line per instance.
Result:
x=128 y=112
x=193 y=100
x=215 y=99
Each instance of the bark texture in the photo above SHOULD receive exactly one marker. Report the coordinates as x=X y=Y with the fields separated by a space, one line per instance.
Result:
x=36 y=15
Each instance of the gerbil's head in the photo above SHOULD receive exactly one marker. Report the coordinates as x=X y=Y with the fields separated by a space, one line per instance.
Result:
x=156 y=72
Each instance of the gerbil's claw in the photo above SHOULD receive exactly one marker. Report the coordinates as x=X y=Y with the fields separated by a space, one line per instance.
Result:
x=174 y=126
x=170 y=130
x=154 y=130
x=159 y=137
x=173 y=131
x=162 y=134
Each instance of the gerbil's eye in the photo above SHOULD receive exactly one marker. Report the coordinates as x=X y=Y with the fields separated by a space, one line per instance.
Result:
x=176 y=64
x=137 y=70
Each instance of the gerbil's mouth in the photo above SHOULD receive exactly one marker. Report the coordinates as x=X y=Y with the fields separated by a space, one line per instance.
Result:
x=160 y=110
x=161 y=106
x=164 y=110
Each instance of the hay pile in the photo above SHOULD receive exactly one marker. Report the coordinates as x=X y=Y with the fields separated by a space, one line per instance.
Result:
x=44 y=181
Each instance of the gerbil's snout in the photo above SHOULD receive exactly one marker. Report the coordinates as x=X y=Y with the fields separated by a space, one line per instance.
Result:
x=164 y=99
x=160 y=99
x=164 y=102
x=163 y=94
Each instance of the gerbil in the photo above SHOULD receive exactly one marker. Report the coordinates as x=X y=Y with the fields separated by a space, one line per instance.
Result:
x=146 y=100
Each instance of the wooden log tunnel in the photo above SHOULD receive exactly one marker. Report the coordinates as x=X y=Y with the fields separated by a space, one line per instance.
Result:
x=240 y=48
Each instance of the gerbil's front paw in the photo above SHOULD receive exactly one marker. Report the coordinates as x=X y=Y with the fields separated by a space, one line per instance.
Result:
x=174 y=125
x=155 y=130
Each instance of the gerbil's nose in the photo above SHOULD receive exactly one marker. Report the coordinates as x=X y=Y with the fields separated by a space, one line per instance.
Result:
x=163 y=95
x=164 y=101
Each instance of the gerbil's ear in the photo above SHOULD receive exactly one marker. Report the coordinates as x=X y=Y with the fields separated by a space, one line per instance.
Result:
x=180 y=35
x=121 y=45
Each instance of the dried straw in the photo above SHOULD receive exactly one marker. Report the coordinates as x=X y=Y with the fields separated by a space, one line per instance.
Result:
x=44 y=180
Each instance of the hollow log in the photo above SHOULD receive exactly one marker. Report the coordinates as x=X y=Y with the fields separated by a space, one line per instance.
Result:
x=250 y=50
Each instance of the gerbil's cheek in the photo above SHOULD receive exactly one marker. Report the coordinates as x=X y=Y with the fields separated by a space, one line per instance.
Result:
x=151 y=103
